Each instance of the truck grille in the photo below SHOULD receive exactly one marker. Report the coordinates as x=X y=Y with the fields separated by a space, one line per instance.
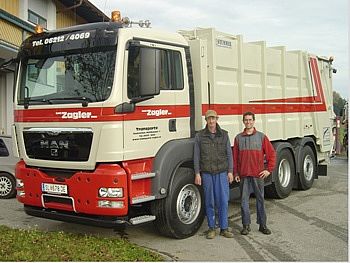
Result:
x=60 y=144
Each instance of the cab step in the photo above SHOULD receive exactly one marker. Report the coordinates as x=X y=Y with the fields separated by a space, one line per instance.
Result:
x=139 y=176
x=142 y=199
x=142 y=219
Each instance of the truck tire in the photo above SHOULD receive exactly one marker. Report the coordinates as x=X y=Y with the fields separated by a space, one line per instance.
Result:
x=283 y=176
x=307 y=168
x=7 y=186
x=181 y=213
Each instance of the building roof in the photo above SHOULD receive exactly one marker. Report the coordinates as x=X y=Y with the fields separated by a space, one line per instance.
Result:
x=85 y=10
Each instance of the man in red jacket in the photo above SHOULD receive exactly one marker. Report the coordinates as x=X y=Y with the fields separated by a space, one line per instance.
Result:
x=254 y=160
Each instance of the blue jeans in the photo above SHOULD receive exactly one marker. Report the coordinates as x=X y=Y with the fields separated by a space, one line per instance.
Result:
x=254 y=185
x=216 y=195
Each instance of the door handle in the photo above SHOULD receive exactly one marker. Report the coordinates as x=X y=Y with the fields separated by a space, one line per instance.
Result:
x=172 y=125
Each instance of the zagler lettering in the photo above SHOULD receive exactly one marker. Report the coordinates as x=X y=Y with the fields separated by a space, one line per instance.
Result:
x=76 y=115
x=156 y=112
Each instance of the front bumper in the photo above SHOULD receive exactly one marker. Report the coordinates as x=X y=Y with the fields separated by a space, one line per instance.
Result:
x=108 y=222
x=82 y=196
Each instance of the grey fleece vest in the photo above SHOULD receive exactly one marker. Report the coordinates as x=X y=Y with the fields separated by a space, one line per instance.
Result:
x=251 y=142
x=213 y=151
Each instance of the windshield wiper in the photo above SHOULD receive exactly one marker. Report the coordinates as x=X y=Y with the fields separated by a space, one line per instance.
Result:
x=85 y=101
x=27 y=101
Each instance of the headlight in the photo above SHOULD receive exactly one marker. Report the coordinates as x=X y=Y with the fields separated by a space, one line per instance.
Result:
x=19 y=183
x=110 y=192
x=102 y=192
x=115 y=192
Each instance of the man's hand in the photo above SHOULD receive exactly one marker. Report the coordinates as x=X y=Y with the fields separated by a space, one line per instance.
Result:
x=264 y=174
x=230 y=177
x=237 y=178
x=198 y=179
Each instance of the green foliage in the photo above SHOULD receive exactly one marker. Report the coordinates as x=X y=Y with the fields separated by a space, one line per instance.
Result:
x=34 y=245
x=338 y=103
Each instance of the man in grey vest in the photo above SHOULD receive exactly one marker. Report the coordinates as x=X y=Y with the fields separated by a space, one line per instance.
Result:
x=213 y=166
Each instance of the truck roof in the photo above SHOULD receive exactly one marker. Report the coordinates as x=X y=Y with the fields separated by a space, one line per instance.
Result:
x=92 y=35
x=156 y=34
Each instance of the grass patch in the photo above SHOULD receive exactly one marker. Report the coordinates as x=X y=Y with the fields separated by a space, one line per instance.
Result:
x=35 y=245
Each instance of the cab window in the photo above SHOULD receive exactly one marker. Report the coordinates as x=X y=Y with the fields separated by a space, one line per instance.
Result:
x=170 y=70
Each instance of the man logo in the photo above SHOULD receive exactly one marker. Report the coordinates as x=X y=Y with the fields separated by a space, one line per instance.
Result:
x=54 y=152
x=60 y=144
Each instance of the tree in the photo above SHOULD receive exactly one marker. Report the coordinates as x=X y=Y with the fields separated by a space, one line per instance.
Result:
x=338 y=103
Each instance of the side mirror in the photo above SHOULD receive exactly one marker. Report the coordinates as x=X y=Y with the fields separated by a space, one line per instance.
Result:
x=149 y=72
x=125 y=107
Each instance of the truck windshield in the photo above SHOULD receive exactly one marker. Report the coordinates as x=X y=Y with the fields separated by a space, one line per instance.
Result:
x=68 y=78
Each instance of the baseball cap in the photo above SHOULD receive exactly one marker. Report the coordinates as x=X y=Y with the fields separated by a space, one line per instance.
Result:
x=211 y=113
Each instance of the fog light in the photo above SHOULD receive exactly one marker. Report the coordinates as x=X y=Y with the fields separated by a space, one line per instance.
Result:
x=19 y=183
x=110 y=204
x=21 y=193
x=110 y=192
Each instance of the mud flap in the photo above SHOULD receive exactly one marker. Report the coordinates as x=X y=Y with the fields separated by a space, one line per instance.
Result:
x=322 y=170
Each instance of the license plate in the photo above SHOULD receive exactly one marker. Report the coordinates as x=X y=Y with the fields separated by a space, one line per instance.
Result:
x=55 y=188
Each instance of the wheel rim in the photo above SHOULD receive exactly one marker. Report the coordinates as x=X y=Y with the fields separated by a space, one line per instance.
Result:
x=188 y=204
x=5 y=186
x=284 y=173
x=308 y=168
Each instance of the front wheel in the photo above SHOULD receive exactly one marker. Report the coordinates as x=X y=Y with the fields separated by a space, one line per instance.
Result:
x=181 y=213
x=283 y=175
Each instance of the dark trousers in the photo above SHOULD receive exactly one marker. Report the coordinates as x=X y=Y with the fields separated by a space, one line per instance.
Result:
x=254 y=185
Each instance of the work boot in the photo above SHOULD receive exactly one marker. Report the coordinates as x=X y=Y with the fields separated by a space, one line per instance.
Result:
x=245 y=230
x=211 y=233
x=263 y=229
x=226 y=233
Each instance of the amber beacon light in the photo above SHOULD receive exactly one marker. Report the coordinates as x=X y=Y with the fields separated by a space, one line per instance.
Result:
x=116 y=17
x=38 y=29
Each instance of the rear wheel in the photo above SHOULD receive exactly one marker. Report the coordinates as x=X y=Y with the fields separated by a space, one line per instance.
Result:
x=308 y=168
x=7 y=186
x=181 y=213
x=283 y=175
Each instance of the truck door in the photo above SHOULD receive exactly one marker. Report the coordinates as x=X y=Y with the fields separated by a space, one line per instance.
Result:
x=161 y=117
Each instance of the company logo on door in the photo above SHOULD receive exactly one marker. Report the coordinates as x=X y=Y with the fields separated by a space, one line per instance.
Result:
x=157 y=113
x=75 y=115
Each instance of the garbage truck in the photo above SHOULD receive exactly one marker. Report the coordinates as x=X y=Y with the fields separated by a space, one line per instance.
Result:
x=106 y=114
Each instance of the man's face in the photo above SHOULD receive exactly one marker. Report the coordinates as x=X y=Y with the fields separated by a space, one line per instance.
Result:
x=211 y=121
x=248 y=121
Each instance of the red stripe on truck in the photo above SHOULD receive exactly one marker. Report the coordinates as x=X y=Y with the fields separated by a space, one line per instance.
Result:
x=99 y=114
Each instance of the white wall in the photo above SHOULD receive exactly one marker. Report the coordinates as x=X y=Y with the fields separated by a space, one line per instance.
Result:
x=9 y=102
x=6 y=103
x=2 y=103
x=44 y=8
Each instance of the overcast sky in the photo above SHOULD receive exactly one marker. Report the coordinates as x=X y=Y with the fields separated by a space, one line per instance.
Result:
x=317 y=26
